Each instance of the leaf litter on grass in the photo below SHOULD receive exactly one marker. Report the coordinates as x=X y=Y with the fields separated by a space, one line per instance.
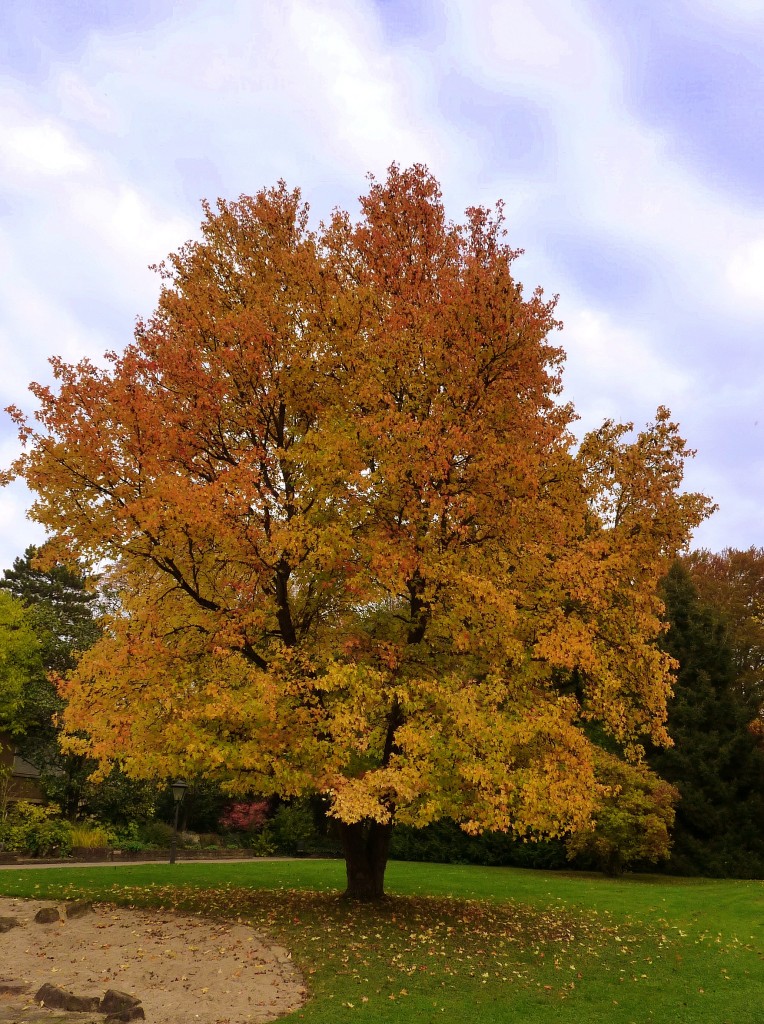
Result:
x=423 y=945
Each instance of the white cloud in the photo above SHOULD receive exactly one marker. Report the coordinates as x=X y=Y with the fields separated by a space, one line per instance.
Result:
x=612 y=172
x=739 y=505
x=745 y=273
x=368 y=110
x=129 y=232
x=74 y=224
x=544 y=47
x=32 y=324
x=745 y=11
x=301 y=88
x=80 y=102
x=618 y=365
x=16 y=531
x=44 y=148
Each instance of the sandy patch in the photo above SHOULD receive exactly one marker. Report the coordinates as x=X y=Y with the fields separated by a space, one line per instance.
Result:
x=184 y=969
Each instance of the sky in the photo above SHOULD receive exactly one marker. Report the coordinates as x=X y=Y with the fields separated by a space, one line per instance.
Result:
x=624 y=138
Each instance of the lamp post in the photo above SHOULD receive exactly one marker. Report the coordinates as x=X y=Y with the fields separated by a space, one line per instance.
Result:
x=179 y=788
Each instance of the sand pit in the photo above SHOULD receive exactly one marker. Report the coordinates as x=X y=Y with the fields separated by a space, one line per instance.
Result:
x=182 y=968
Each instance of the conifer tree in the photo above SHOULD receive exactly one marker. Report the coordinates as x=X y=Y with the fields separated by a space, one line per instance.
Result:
x=61 y=614
x=715 y=762
x=61 y=607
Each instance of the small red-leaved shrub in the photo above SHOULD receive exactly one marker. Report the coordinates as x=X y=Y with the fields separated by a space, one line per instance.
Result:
x=245 y=817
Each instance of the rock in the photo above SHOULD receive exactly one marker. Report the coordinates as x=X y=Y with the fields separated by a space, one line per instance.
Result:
x=6 y=923
x=124 y=1016
x=56 y=998
x=13 y=988
x=48 y=915
x=79 y=908
x=115 y=1001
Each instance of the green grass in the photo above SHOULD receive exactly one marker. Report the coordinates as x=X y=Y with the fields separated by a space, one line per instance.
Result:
x=487 y=945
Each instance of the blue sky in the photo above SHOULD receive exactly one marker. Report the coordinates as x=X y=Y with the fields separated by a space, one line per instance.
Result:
x=625 y=139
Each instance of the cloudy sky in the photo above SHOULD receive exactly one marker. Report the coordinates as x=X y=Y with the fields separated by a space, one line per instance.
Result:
x=625 y=138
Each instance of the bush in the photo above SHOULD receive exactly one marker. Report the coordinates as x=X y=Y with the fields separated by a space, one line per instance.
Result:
x=246 y=826
x=262 y=843
x=153 y=835
x=36 y=830
x=157 y=835
x=245 y=817
x=130 y=838
x=444 y=842
x=293 y=828
x=92 y=835
x=210 y=841
x=632 y=823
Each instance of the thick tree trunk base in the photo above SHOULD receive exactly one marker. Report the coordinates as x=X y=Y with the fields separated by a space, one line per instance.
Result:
x=365 y=845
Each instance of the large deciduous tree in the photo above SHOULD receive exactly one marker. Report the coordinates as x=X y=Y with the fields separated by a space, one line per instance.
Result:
x=356 y=548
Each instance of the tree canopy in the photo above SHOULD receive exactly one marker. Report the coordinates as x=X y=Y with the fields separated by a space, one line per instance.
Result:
x=357 y=549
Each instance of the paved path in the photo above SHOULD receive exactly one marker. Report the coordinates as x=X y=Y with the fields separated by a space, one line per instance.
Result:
x=23 y=865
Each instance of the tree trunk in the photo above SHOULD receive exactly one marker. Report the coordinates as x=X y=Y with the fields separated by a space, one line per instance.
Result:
x=365 y=845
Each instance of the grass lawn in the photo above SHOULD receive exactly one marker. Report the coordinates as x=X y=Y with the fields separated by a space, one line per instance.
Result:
x=484 y=945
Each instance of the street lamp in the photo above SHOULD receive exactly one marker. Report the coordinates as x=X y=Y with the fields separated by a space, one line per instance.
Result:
x=179 y=788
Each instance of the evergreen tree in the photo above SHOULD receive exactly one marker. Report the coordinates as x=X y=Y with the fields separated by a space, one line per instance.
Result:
x=22 y=674
x=714 y=762
x=62 y=609
x=61 y=613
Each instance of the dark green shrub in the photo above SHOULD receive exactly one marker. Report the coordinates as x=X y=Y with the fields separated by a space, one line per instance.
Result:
x=293 y=828
x=261 y=843
x=156 y=835
x=129 y=838
x=444 y=842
